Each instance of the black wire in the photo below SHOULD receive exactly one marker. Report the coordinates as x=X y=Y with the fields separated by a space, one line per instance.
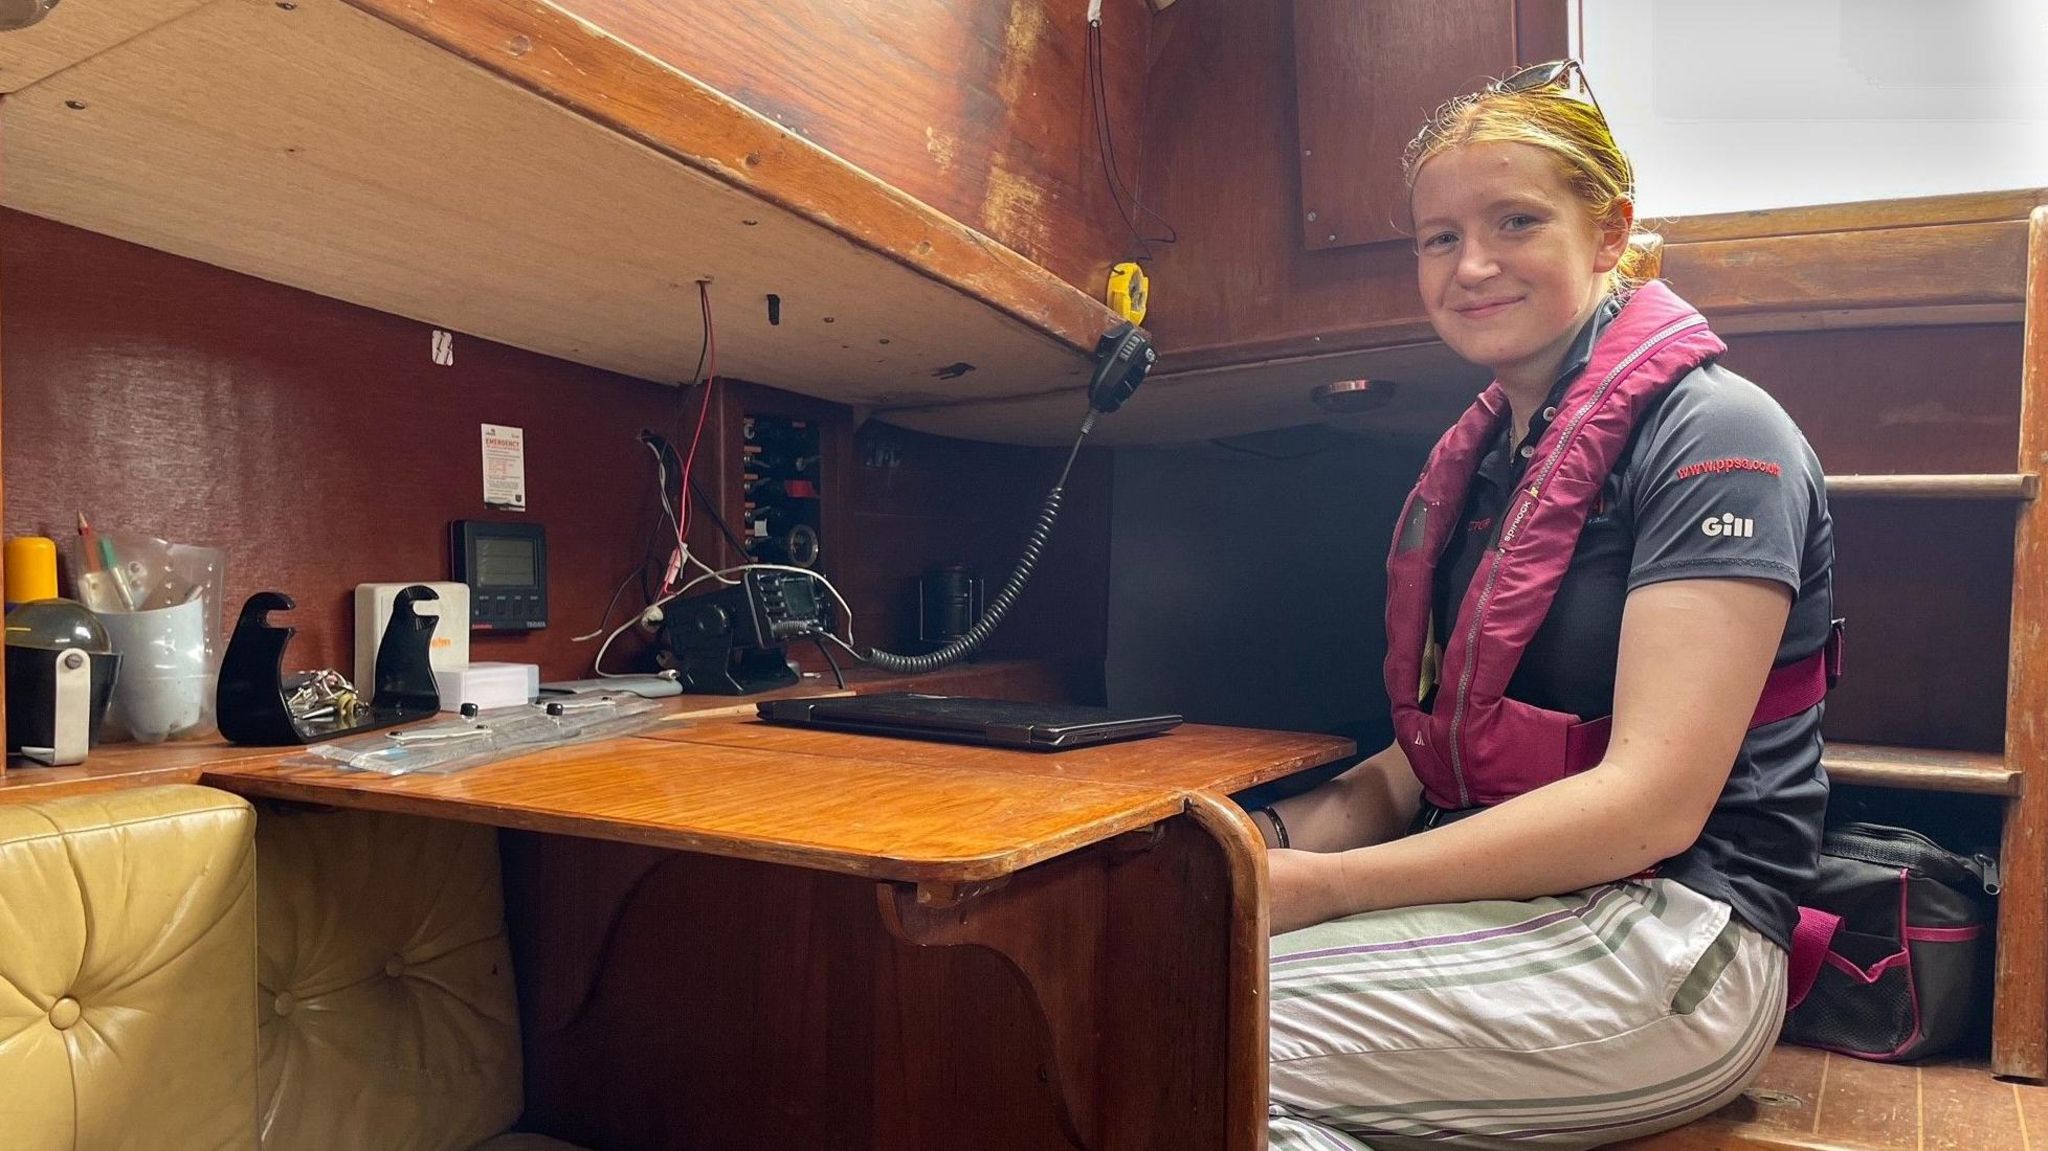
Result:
x=646 y=555
x=837 y=675
x=731 y=537
x=675 y=424
x=617 y=592
x=1116 y=166
x=1106 y=149
x=1102 y=147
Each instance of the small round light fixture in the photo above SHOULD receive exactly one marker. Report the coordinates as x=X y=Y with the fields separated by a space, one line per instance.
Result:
x=1349 y=397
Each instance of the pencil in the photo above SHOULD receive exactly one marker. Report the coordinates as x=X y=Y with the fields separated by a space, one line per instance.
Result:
x=89 y=542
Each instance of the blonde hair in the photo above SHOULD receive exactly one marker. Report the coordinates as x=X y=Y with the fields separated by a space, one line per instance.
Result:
x=1552 y=118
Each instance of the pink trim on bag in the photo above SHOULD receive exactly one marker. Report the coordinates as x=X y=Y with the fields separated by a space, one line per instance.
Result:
x=1904 y=959
x=1912 y=990
x=1944 y=934
x=1874 y=972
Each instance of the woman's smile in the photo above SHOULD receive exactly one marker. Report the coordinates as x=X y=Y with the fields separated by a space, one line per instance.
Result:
x=1482 y=309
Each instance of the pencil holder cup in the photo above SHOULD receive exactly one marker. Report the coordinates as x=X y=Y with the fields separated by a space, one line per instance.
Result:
x=167 y=678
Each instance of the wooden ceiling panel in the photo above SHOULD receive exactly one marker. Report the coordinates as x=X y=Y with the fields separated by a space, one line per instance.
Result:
x=78 y=31
x=319 y=147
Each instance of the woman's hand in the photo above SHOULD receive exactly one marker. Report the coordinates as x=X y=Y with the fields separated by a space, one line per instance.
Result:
x=1304 y=888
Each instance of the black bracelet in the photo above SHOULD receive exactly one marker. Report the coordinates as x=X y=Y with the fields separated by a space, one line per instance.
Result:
x=1279 y=828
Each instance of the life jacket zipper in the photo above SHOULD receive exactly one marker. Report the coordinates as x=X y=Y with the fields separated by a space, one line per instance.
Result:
x=1527 y=499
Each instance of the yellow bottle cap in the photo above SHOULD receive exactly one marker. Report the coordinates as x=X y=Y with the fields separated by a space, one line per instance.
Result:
x=31 y=565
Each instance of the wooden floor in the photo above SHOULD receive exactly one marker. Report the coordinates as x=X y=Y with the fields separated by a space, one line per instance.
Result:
x=1812 y=1099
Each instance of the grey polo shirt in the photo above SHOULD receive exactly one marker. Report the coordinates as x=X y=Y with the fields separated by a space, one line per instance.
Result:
x=1716 y=482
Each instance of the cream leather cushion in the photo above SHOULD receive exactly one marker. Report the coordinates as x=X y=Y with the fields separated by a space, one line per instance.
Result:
x=127 y=952
x=388 y=1020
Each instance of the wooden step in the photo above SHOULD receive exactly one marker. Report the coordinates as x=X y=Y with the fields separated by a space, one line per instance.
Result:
x=1920 y=768
x=1986 y=486
x=1813 y=1099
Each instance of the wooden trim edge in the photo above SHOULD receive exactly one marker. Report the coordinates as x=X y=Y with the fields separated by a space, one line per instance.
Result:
x=1244 y=854
x=2019 y=1040
x=582 y=68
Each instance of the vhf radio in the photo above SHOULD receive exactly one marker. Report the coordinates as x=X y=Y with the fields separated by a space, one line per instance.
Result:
x=733 y=641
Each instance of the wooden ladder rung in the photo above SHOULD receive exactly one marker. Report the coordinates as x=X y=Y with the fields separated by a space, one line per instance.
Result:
x=1986 y=486
x=1921 y=769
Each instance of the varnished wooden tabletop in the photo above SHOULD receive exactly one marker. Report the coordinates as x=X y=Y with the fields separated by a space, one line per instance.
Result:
x=1192 y=757
x=888 y=809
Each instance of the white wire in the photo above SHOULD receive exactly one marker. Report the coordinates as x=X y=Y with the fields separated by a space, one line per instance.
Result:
x=692 y=558
x=661 y=488
x=597 y=664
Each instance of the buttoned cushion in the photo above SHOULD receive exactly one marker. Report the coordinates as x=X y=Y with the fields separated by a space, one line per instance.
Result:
x=388 y=1020
x=127 y=951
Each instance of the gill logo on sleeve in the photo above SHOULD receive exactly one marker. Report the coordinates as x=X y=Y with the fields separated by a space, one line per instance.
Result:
x=1728 y=524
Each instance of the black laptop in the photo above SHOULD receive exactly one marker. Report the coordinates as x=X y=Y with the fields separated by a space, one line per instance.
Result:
x=995 y=722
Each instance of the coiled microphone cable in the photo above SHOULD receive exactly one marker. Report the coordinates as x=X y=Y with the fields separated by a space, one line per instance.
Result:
x=1034 y=545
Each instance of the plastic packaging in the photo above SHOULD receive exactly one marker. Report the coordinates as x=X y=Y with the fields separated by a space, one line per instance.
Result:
x=451 y=744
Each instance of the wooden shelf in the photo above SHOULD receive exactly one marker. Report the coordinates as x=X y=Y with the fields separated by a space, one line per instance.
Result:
x=508 y=171
x=1921 y=769
x=2014 y=486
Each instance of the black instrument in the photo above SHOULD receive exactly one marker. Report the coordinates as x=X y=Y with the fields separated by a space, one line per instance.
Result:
x=734 y=641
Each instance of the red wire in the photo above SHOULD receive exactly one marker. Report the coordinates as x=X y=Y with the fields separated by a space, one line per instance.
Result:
x=703 y=410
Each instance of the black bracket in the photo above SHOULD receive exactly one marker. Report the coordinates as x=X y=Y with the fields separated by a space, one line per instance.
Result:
x=250 y=703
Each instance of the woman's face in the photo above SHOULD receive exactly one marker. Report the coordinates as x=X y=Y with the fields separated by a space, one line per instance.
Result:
x=1509 y=261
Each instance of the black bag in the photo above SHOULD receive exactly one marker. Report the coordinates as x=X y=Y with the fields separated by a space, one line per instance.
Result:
x=1892 y=946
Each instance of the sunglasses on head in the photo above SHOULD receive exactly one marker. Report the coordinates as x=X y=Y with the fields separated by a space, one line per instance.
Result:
x=1555 y=74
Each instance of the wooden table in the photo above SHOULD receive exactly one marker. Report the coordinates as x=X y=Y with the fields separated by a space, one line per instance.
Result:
x=732 y=935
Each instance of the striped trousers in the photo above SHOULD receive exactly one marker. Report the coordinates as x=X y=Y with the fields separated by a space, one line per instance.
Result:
x=1564 y=1022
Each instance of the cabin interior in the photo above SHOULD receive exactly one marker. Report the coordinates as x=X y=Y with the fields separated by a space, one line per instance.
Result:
x=267 y=266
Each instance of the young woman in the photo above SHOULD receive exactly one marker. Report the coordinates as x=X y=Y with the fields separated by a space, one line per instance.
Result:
x=1608 y=638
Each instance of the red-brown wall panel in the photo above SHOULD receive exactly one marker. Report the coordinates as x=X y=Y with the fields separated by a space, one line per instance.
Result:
x=317 y=444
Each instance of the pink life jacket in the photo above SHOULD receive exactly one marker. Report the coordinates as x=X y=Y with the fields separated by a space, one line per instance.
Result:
x=1477 y=747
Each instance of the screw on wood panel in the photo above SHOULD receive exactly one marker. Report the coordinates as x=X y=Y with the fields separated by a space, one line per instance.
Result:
x=1311 y=217
x=750 y=223
x=75 y=105
x=753 y=158
x=287 y=5
x=883 y=340
x=830 y=320
x=519 y=45
x=1332 y=238
x=1308 y=151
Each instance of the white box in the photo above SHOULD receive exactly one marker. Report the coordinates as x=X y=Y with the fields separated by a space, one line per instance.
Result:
x=488 y=685
x=450 y=646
